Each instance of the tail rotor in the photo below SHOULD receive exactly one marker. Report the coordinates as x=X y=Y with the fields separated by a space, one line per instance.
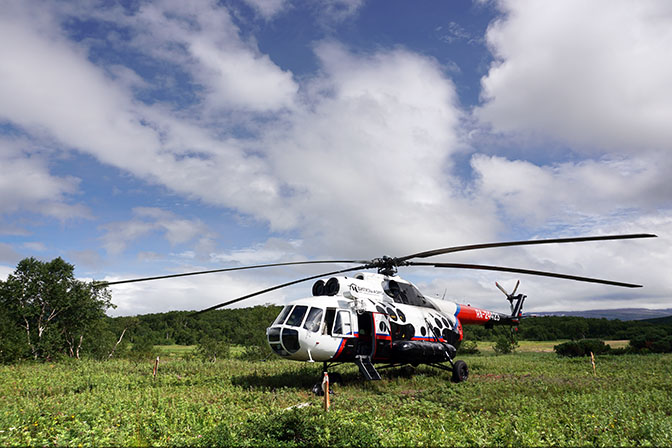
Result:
x=516 y=301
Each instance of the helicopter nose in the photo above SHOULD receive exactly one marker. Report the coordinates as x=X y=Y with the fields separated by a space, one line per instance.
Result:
x=290 y=339
x=283 y=341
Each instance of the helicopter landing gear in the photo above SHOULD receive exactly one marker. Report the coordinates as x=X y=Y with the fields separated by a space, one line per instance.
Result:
x=460 y=371
x=458 y=368
x=334 y=378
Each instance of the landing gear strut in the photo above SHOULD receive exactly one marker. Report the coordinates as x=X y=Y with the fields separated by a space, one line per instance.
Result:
x=334 y=378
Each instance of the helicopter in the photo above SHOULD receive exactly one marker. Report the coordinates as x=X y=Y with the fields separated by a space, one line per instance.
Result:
x=381 y=319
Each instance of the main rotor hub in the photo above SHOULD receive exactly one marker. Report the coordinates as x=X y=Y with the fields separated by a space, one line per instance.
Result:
x=386 y=265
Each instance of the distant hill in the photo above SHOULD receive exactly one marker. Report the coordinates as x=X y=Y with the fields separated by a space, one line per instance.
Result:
x=660 y=315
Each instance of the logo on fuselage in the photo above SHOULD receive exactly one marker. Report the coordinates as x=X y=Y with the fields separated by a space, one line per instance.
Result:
x=364 y=289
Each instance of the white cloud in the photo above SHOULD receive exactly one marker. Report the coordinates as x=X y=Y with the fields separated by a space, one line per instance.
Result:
x=337 y=10
x=35 y=246
x=189 y=293
x=267 y=8
x=8 y=254
x=49 y=87
x=148 y=220
x=27 y=185
x=595 y=74
x=571 y=192
x=83 y=109
x=274 y=250
x=203 y=37
x=5 y=271
x=369 y=161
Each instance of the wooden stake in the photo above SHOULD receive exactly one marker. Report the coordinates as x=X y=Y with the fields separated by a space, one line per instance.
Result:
x=325 y=388
x=592 y=360
x=156 y=366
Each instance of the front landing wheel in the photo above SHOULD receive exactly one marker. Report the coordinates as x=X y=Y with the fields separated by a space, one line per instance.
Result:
x=460 y=371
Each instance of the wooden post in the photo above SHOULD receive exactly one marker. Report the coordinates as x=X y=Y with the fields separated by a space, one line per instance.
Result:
x=156 y=366
x=592 y=360
x=325 y=388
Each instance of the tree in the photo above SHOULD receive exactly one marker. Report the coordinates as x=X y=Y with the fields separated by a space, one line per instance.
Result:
x=52 y=308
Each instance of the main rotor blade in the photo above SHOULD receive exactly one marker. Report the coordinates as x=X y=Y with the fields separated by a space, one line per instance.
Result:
x=523 y=271
x=273 y=288
x=434 y=252
x=240 y=268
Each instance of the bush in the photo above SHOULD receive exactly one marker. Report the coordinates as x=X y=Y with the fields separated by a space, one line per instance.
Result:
x=655 y=341
x=505 y=343
x=469 y=348
x=582 y=347
x=142 y=349
x=210 y=349
x=296 y=427
x=256 y=353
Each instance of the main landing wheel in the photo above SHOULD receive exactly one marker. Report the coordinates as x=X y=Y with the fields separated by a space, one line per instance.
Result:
x=460 y=371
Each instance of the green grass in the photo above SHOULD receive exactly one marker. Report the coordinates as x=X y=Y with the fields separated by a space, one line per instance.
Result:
x=531 y=398
x=174 y=350
x=542 y=346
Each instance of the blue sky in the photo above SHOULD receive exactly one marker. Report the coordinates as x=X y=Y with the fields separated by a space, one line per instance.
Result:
x=146 y=138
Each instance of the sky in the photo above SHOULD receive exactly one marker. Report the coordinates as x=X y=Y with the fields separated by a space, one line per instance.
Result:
x=142 y=138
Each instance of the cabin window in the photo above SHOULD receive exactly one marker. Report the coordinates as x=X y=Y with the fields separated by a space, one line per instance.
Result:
x=313 y=320
x=402 y=332
x=295 y=319
x=329 y=321
x=282 y=316
x=342 y=324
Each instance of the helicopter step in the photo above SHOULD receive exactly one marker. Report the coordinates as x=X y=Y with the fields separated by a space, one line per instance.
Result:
x=366 y=367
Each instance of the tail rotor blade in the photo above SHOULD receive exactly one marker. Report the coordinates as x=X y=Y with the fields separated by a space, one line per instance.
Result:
x=502 y=289
x=515 y=288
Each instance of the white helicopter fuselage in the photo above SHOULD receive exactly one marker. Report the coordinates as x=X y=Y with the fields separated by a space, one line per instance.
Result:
x=370 y=315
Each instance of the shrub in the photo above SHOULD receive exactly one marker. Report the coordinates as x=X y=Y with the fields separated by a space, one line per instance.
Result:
x=296 y=427
x=210 y=349
x=256 y=353
x=469 y=348
x=505 y=343
x=651 y=341
x=141 y=349
x=582 y=347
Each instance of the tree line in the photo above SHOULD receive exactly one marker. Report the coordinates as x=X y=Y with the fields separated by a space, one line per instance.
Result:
x=553 y=328
x=46 y=314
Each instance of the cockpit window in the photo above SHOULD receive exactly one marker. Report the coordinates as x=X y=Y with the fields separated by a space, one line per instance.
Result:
x=405 y=293
x=282 y=316
x=296 y=317
x=313 y=320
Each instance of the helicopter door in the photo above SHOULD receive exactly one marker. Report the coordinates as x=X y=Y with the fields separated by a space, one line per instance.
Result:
x=365 y=335
x=343 y=325
x=383 y=346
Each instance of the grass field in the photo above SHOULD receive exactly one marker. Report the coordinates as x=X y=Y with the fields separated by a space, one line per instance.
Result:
x=529 y=398
x=542 y=346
